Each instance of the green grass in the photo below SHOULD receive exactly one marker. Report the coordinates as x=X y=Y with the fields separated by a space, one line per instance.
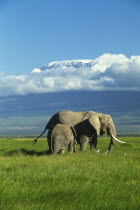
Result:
x=31 y=179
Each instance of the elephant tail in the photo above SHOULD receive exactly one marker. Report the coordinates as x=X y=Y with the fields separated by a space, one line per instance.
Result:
x=35 y=140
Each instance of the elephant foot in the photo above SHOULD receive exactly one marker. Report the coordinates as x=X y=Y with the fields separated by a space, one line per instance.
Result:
x=62 y=151
x=54 y=153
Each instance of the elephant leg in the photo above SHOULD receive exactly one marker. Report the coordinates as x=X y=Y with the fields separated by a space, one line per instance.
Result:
x=74 y=146
x=56 y=146
x=111 y=144
x=70 y=146
x=83 y=142
x=49 y=140
x=93 y=142
x=55 y=150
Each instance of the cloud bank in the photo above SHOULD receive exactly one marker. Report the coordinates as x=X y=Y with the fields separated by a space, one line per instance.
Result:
x=107 y=72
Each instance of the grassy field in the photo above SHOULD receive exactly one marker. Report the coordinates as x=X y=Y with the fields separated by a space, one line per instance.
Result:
x=31 y=179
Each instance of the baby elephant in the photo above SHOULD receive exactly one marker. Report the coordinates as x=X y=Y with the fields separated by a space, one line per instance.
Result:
x=61 y=136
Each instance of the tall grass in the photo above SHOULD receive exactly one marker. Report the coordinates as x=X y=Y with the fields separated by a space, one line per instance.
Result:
x=31 y=179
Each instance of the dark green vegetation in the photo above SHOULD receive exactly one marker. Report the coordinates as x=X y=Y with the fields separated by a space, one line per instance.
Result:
x=31 y=179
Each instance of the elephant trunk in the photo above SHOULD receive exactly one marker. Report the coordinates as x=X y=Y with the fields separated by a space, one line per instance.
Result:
x=35 y=140
x=111 y=130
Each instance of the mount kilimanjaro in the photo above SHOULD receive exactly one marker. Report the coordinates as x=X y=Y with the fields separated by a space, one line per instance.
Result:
x=100 y=85
x=64 y=64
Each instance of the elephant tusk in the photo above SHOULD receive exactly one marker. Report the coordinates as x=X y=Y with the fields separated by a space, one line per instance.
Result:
x=117 y=139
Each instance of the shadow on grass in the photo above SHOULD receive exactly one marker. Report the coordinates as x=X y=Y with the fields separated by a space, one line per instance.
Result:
x=27 y=152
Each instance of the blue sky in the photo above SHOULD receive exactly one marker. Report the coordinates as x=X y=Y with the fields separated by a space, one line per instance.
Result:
x=36 y=32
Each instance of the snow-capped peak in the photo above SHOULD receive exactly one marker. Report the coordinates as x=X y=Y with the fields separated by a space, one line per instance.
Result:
x=67 y=63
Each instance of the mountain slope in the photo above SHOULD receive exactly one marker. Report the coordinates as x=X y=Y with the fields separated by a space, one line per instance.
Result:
x=28 y=115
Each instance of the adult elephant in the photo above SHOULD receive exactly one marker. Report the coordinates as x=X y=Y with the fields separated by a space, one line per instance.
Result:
x=88 y=125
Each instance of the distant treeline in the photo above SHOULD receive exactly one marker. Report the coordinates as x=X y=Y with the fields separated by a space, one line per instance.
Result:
x=119 y=135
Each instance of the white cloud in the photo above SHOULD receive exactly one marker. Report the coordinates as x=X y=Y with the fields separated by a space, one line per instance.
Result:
x=36 y=70
x=106 y=60
x=107 y=72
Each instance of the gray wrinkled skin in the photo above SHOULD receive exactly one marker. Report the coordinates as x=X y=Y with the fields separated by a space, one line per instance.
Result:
x=59 y=138
x=87 y=125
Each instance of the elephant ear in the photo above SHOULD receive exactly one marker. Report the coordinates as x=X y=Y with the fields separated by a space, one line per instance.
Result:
x=95 y=122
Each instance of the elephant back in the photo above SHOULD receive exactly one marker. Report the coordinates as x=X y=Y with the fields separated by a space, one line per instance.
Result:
x=89 y=114
x=70 y=118
x=53 y=121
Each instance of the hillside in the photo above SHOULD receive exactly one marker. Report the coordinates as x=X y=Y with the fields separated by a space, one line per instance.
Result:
x=28 y=115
